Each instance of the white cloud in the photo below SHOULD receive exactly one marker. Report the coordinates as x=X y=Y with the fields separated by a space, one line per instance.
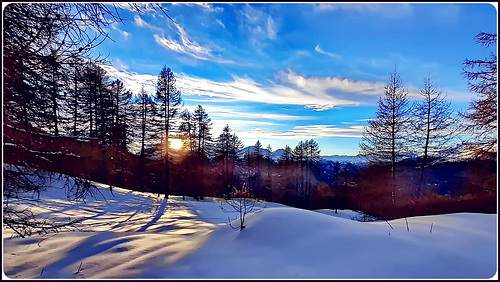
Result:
x=247 y=113
x=125 y=34
x=333 y=55
x=206 y=6
x=313 y=84
x=258 y=24
x=294 y=89
x=132 y=81
x=304 y=132
x=220 y=22
x=139 y=21
x=271 y=29
x=387 y=10
x=246 y=89
x=191 y=47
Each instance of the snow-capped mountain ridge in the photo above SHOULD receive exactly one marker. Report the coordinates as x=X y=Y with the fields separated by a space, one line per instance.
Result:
x=276 y=155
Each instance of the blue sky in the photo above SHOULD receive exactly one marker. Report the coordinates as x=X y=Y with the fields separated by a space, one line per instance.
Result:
x=286 y=72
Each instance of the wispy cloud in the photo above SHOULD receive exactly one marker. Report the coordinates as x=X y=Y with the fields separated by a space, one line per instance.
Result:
x=318 y=93
x=333 y=55
x=304 y=132
x=207 y=7
x=247 y=113
x=220 y=22
x=387 y=10
x=246 y=89
x=318 y=84
x=132 y=81
x=259 y=24
x=139 y=21
x=124 y=34
x=190 y=46
x=271 y=29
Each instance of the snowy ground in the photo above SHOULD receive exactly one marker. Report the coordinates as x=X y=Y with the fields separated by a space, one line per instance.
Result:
x=139 y=235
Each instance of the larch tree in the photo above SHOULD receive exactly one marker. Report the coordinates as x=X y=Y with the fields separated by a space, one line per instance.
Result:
x=287 y=156
x=385 y=139
x=169 y=99
x=121 y=98
x=203 y=146
x=187 y=128
x=482 y=113
x=299 y=156
x=312 y=156
x=226 y=149
x=434 y=126
x=269 y=162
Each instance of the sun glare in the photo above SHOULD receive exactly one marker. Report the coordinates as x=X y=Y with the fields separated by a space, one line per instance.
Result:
x=176 y=143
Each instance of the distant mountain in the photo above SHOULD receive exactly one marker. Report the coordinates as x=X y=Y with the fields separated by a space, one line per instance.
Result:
x=345 y=159
x=276 y=155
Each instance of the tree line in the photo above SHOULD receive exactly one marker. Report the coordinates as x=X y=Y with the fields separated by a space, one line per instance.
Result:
x=428 y=128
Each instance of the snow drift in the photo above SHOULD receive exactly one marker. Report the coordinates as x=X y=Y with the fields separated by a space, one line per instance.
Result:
x=128 y=234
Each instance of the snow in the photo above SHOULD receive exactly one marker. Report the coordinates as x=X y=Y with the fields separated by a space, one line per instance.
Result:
x=129 y=234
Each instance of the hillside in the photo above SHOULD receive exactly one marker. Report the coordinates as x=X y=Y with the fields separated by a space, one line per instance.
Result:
x=128 y=234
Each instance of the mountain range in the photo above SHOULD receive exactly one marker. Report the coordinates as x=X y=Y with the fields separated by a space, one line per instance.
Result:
x=276 y=155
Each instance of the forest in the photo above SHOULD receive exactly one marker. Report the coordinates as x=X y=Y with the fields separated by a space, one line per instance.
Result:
x=62 y=113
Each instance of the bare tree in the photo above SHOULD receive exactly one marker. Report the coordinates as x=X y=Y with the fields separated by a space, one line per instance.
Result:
x=482 y=79
x=385 y=138
x=434 y=125
x=22 y=186
x=241 y=203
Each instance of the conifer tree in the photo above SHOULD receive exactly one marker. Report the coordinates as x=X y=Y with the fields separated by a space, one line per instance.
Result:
x=482 y=112
x=169 y=99
x=433 y=124
x=385 y=140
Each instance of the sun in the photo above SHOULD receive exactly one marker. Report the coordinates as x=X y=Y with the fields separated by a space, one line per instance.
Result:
x=175 y=143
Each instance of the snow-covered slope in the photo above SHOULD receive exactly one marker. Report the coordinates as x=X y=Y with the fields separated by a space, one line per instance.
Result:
x=138 y=235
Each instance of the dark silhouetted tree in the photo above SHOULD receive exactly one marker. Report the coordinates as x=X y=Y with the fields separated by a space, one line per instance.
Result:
x=385 y=140
x=226 y=148
x=203 y=146
x=482 y=79
x=287 y=156
x=169 y=99
x=312 y=152
x=434 y=126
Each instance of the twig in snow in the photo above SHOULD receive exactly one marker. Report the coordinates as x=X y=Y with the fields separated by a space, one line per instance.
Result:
x=407 y=227
x=389 y=224
x=431 y=227
x=78 y=271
